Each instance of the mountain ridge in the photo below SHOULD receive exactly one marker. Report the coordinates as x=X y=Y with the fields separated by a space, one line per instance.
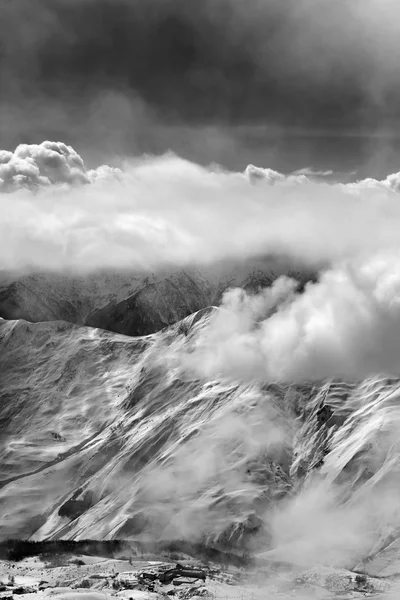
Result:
x=134 y=303
x=103 y=438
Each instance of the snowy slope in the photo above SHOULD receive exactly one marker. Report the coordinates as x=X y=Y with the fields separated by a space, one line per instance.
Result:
x=104 y=436
x=99 y=434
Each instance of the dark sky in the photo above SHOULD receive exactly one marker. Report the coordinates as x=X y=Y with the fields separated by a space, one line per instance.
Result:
x=291 y=83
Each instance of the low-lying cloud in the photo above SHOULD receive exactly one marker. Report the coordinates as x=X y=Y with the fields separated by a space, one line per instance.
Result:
x=346 y=325
x=152 y=213
x=159 y=211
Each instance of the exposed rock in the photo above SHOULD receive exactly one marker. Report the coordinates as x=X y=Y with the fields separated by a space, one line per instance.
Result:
x=25 y=589
x=193 y=593
x=83 y=583
x=75 y=506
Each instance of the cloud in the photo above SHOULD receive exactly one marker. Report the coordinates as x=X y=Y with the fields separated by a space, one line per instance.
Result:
x=204 y=481
x=154 y=212
x=391 y=182
x=315 y=527
x=256 y=174
x=37 y=165
x=210 y=61
x=328 y=70
x=346 y=325
x=309 y=171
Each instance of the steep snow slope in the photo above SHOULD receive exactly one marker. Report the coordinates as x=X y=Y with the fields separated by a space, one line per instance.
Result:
x=104 y=436
x=100 y=437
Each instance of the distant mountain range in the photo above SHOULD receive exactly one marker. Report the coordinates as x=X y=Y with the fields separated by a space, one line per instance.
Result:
x=132 y=303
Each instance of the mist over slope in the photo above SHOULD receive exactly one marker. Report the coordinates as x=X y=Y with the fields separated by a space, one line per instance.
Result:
x=127 y=455
x=103 y=438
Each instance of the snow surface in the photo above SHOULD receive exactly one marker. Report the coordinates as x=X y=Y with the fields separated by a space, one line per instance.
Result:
x=103 y=437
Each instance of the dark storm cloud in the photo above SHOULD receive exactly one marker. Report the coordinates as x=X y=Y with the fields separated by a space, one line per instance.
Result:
x=144 y=76
x=189 y=60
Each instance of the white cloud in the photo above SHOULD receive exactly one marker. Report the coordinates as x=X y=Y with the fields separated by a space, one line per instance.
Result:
x=347 y=325
x=392 y=182
x=35 y=165
x=155 y=212
x=258 y=174
x=309 y=171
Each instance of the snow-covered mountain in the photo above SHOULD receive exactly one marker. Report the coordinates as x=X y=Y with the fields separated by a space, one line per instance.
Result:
x=104 y=436
x=50 y=296
x=100 y=437
x=131 y=303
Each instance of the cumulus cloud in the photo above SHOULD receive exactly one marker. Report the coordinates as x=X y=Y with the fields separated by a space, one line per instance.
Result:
x=346 y=325
x=391 y=182
x=256 y=174
x=157 y=211
x=36 y=165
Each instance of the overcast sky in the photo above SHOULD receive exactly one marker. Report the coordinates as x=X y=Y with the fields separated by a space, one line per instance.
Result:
x=282 y=83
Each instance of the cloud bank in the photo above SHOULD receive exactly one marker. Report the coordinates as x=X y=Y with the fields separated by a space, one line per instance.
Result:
x=154 y=212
